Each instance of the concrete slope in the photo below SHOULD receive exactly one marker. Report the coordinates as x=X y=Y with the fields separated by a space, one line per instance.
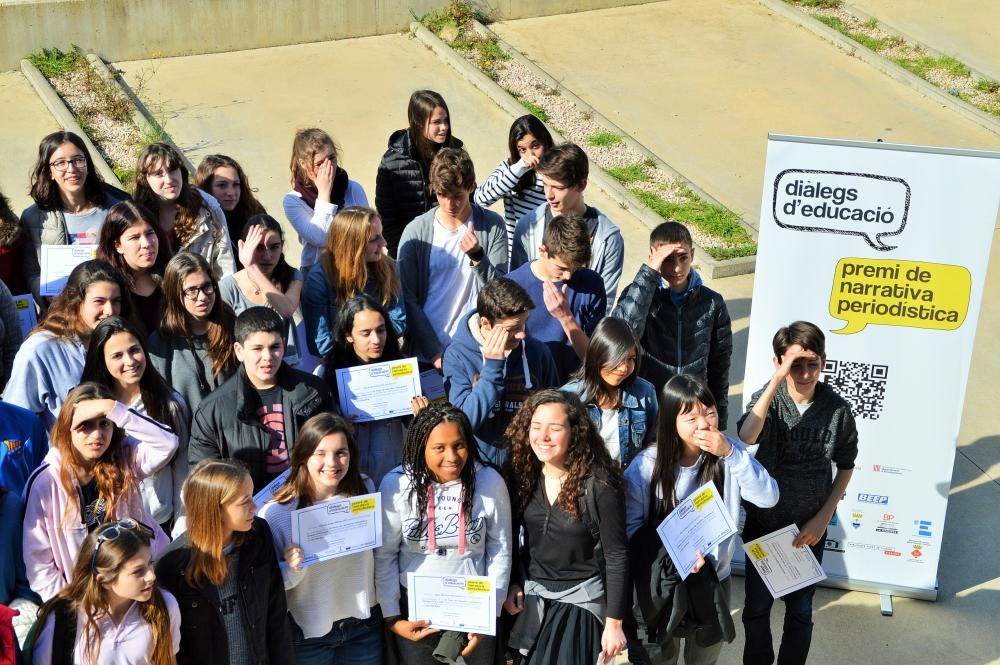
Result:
x=248 y=105
x=25 y=122
x=966 y=29
x=702 y=82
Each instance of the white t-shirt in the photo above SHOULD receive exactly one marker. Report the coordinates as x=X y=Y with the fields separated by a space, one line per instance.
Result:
x=609 y=432
x=85 y=228
x=452 y=288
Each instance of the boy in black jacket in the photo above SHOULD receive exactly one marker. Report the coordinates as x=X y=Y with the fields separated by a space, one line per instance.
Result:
x=255 y=416
x=682 y=325
x=796 y=426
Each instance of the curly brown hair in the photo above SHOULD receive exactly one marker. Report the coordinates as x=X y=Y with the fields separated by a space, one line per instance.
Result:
x=587 y=455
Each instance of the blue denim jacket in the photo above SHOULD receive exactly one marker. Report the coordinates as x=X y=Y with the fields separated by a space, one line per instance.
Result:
x=636 y=416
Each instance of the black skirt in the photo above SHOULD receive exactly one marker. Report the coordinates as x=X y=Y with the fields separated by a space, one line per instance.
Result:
x=569 y=635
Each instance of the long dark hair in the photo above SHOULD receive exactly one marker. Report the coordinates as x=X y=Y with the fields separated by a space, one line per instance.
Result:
x=342 y=353
x=119 y=219
x=247 y=206
x=418 y=112
x=62 y=318
x=156 y=394
x=315 y=429
x=283 y=274
x=415 y=462
x=612 y=342
x=587 y=455
x=679 y=396
x=44 y=189
x=189 y=202
x=523 y=126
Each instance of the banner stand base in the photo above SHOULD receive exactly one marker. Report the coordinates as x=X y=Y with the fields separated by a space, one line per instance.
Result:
x=886 y=600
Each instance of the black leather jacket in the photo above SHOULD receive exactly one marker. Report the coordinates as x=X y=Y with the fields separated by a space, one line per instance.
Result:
x=693 y=339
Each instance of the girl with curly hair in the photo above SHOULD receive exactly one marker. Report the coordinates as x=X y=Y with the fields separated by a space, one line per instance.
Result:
x=572 y=590
x=445 y=513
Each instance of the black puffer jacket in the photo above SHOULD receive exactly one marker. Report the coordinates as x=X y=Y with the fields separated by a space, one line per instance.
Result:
x=693 y=339
x=261 y=596
x=402 y=189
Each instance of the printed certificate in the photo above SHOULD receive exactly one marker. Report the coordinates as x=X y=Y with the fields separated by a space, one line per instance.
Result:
x=783 y=568
x=338 y=528
x=465 y=603
x=263 y=496
x=379 y=390
x=432 y=385
x=26 y=316
x=698 y=523
x=57 y=262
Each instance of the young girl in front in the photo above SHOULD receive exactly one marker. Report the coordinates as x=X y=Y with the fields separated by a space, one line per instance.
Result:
x=100 y=451
x=112 y=612
x=690 y=450
x=192 y=349
x=117 y=359
x=444 y=513
x=352 y=263
x=402 y=184
x=573 y=595
x=133 y=243
x=191 y=219
x=225 y=574
x=365 y=335
x=339 y=622
x=622 y=405
x=515 y=179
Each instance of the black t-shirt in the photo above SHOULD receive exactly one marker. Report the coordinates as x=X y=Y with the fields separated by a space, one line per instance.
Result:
x=95 y=509
x=272 y=418
x=149 y=309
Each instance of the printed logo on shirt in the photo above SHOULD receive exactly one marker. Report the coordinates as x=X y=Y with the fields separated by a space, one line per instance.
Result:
x=85 y=238
x=227 y=605
x=12 y=444
x=272 y=419
x=445 y=530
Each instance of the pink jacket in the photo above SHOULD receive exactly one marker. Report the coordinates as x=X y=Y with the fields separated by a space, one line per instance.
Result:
x=53 y=535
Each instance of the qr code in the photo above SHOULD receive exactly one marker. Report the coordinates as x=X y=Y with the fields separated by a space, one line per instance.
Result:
x=861 y=384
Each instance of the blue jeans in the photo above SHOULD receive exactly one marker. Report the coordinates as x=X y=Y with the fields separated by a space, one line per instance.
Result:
x=350 y=642
x=796 y=634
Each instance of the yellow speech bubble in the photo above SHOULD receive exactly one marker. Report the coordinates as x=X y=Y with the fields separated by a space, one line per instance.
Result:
x=362 y=506
x=758 y=552
x=889 y=292
x=401 y=370
x=701 y=499
x=477 y=586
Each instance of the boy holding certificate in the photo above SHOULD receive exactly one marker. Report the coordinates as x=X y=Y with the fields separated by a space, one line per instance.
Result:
x=255 y=416
x=796 y=426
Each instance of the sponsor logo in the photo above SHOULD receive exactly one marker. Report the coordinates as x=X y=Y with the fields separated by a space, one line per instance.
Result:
x=833 y=545
x=891 y=553
x=886 y=529
x=891 y=470
x=922 y=528
x=879 y=499
x=856 y=519
x=916 y=553
x=888 y=517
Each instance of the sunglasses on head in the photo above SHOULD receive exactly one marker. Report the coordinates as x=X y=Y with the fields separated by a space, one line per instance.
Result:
x=112 y=532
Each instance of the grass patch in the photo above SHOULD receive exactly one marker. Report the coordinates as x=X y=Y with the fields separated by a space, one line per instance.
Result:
x=924 y=64
x=707 y=218
x=985 y=85
x=815 y=4
x=535 y=110
x=52 y=62
x=630 y=173
x=604 y=139
x=456 y=13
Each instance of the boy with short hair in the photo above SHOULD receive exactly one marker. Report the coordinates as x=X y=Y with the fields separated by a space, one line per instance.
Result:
x=574 y=296
x=796 y=426
x=682 y=325
x=493 y=365
x=564 y=169
x=256 y=414
x=446 y=255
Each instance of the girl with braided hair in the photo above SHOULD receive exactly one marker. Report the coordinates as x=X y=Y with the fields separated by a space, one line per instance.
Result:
x=445 y=512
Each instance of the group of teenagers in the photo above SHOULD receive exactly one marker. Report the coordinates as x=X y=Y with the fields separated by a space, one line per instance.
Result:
x=188 y=366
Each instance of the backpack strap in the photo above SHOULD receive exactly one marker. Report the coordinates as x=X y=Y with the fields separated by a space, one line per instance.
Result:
x=587 y=507
x=63 y=634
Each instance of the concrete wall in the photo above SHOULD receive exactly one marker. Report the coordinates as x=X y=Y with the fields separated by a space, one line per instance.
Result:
x=136 y=29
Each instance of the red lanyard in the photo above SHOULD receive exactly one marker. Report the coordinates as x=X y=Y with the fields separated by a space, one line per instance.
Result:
x=431 y=529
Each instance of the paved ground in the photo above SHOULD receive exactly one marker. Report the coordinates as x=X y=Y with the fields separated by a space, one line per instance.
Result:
x=249 y=104
x=25 y=122
x=966 y=29
x=701 y=83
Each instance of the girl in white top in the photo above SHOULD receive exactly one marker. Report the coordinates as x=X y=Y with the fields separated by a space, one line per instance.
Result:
x=332 y=603
x=112 y=606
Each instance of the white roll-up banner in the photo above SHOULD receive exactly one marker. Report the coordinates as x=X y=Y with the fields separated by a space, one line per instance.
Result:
x=885 y=248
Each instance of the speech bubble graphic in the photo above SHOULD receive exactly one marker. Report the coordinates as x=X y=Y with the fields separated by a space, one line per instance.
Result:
x=887 y=292
x=860 y=204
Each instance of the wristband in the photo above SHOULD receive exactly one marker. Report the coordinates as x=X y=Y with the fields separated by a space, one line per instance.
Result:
x=477 y=254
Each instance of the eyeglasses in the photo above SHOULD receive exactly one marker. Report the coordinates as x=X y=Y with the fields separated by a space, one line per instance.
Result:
x=63 y=165
x=112 y=533
x=191 y=293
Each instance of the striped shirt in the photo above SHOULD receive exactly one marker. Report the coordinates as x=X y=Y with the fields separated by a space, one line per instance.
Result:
x=501 y=183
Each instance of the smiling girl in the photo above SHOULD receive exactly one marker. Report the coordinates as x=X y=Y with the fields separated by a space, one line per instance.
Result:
x=444 y=513
x=332 y=603
x=100 y=451
x=111 y=612
x=622 y=405
x=224 y=179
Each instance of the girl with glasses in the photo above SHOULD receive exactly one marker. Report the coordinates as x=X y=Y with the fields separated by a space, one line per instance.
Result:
x=224 y=573
x=192 y=348
x=100 y=451
x=71 y=200
x=112 y=611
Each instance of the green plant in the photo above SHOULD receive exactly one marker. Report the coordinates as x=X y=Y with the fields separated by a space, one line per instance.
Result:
x=125 y=175
x=85 y=125
x=630 y=173
x=816 y=4
x=985 y=85
x=708 y=218
x=604 y=138
x=535 y=110
x=872 y=23
x=923 y=64
x=456 y=13
x=52 y=62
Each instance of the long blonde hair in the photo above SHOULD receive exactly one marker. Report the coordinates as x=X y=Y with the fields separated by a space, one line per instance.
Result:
x=211 y=485
x=343 y=258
